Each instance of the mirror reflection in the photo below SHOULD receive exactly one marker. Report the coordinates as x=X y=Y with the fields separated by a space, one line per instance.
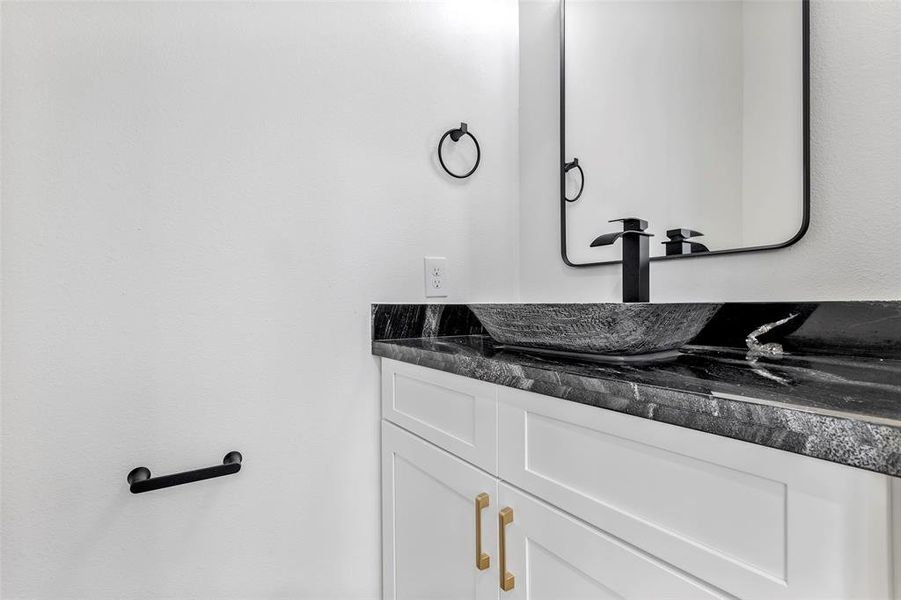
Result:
x=689 y=115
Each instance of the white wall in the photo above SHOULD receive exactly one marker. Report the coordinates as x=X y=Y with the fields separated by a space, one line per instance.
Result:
x=200 y=200
x=851 y=249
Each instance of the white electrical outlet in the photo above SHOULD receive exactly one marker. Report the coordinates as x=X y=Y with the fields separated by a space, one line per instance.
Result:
x=436 y=282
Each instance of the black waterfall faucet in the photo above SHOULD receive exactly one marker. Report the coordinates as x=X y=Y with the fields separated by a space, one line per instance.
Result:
x=636 y=258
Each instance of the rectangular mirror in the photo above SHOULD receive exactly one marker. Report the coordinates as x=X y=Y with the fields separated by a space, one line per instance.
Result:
x=691 y=115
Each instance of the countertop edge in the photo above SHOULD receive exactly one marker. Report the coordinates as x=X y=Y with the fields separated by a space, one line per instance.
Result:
x=837 y=439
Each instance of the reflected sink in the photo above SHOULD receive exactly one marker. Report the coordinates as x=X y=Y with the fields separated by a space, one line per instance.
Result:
x=607 y=328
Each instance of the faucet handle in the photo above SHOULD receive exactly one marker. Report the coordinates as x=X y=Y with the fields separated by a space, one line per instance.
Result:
x=681 y=234
x=631 y=223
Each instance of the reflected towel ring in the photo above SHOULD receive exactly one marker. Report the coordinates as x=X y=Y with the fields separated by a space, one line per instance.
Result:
x=455 y=135
x=569 y=167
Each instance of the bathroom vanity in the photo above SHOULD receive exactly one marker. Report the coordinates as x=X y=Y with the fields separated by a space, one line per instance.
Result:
x=520 y=475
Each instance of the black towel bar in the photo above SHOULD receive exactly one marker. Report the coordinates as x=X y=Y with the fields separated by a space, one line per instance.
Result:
x=139 y=479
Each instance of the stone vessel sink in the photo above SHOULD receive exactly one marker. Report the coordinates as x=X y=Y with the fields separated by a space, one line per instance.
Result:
x=607 y=328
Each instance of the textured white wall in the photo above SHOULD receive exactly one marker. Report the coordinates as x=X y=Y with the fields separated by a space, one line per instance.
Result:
x=851 y=249
x=200 y=200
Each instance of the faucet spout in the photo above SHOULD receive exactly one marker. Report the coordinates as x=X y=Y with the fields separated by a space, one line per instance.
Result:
x=608 y=238
x=636 y=258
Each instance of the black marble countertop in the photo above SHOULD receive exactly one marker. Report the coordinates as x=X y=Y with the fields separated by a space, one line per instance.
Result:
x=841 y=408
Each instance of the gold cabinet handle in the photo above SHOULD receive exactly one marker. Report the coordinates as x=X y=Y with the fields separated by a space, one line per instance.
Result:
x=482 y=558
x=504 y=518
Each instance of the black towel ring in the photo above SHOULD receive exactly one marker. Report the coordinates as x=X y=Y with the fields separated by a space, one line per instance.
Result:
x=569 y=167
x=455 y=135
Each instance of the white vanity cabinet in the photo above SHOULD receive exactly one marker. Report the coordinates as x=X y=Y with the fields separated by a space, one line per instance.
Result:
x=589 y=503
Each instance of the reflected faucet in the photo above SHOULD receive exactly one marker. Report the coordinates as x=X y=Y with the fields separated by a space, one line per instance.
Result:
x=678 y=242
x=636 y=257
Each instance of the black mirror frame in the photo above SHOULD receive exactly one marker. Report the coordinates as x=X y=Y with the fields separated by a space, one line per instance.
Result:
x=805 y=118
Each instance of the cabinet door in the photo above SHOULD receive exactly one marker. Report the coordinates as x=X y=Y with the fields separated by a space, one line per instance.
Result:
x=429 y=518
x=552 y=556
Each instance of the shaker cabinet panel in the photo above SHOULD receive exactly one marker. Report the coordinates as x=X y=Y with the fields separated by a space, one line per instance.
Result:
x=429 y=523
x=456 y=413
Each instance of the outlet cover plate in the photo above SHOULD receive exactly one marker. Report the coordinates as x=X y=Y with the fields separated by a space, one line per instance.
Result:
x=436 y=281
